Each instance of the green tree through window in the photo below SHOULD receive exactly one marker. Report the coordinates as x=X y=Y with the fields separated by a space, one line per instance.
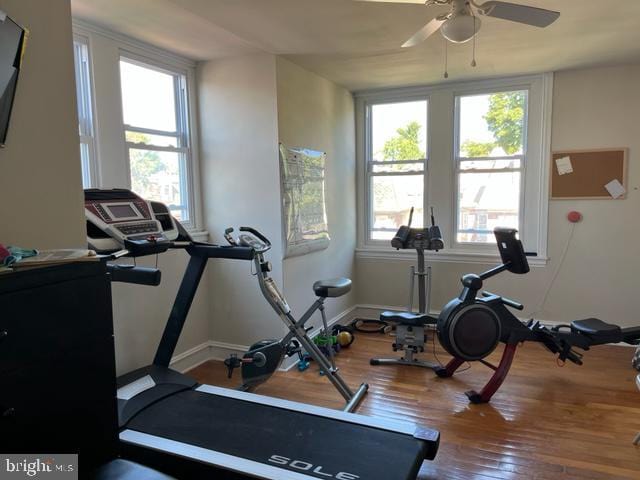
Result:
x=144 y=163
x=405 y=145
x=504 y=119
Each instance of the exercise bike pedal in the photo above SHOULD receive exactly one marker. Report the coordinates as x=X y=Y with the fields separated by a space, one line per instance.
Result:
x=232 y=362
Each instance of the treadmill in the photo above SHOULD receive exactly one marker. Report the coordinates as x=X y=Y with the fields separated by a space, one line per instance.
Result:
x=170 y=422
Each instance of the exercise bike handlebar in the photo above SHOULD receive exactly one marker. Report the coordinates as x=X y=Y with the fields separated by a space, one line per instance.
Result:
x=506 y=301
x=255 y=232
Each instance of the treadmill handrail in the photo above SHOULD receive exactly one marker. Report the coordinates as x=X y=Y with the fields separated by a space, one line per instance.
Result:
x=209 y=250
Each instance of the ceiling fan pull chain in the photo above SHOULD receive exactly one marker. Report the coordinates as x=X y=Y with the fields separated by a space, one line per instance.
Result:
x=446 y=66
x=475 y=34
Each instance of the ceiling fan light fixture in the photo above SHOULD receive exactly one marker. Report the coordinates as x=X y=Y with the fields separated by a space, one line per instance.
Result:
x=460 y=28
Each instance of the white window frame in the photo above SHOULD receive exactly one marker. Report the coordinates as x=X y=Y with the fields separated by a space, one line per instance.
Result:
x=112 y=161
x=86 y=109
x=442 y=165
x=477 y=246
x=182 y=133
x=370 y=163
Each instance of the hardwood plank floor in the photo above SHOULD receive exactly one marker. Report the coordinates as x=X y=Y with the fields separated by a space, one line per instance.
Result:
x=546 y=422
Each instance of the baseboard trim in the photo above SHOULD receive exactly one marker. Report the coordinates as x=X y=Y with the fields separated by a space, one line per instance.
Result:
x=209 y=350
x=214 y=350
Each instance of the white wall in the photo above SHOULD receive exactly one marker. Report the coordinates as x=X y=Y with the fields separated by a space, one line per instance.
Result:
x=40 y=182
x=593 y=108
x=239 y=161
x=316 y=113
x=139 y=313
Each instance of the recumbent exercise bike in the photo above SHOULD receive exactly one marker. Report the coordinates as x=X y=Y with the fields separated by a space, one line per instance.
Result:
x=471 y=326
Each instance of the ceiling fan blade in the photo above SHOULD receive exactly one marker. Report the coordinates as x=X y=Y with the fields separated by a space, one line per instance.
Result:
x=538 y=17
x=394 y=1
x=424 y=33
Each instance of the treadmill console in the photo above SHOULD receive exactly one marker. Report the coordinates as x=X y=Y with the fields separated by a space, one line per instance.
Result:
x=119 y=215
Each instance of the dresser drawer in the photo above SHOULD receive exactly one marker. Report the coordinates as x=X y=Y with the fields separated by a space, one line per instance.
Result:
x=39 y=324
x=65 y=404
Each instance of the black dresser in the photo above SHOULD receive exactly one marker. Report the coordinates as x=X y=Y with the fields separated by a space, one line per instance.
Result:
x=57 y=366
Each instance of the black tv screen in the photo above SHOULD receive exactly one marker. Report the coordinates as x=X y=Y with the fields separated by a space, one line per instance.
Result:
x=12 y=39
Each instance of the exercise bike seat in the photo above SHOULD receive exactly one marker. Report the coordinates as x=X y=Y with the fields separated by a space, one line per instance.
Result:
x=334 y=287
x=407 y=318
x=597 y=330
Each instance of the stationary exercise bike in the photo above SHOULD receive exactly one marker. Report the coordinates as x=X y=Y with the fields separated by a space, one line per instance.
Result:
x=471 y=326
x=264 y=357
x=410 y=327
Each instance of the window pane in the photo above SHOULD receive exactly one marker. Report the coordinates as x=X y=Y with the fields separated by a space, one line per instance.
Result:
x=85 y=159
x=492 y=125
x=398 y=167
x=486 y=201
x=148 y=98
x=160 y=176
x=85 y=113
x=488 y=164
x=391 y=201
x=157 y=140
x=399 y=131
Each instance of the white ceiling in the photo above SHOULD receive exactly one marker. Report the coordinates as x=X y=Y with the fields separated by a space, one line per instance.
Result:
x=356 y=44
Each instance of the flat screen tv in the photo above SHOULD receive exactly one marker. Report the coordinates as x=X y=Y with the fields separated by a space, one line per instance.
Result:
x=12 y=41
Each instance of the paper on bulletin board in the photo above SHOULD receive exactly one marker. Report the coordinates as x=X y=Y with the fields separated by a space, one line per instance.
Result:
x=564 y=165
x=615 y=188
x=302 y=180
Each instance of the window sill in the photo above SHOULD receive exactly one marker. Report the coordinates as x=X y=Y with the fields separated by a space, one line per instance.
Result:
x=199 y=235
x=445 y=256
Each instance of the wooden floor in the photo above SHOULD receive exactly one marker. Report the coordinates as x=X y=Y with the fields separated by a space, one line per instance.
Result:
x=544 y=423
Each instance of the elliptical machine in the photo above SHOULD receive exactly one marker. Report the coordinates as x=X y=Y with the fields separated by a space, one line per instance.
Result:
x=410 y=327
x=471 y=326
x=265 y=357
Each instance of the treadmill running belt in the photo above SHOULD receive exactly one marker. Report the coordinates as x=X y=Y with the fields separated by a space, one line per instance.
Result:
x=260 y=432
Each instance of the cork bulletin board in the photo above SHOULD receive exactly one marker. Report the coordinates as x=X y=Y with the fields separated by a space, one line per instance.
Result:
x=592 y=170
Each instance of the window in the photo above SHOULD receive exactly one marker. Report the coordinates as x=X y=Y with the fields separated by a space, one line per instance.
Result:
x=155 y=117
x=490 y=138
x=396 y=166
x=85 y=111
x=474 y=151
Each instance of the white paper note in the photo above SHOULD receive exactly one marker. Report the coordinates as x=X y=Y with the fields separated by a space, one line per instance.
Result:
x=564 y=165
x=615 y=188
x=3 y=16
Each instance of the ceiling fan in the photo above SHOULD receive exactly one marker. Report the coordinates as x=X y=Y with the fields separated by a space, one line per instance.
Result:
x=462 y=23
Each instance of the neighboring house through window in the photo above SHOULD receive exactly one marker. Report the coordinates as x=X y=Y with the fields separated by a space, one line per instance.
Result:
x=145 y=140
x=475 y=151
